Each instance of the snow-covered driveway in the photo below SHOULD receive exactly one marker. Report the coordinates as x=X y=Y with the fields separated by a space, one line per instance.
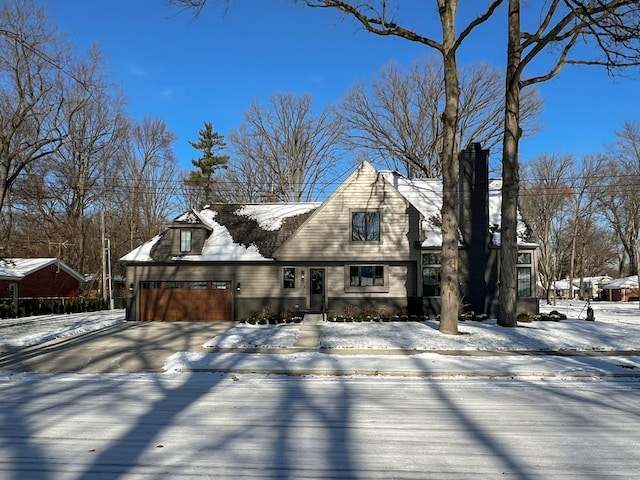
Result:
x=214 y=426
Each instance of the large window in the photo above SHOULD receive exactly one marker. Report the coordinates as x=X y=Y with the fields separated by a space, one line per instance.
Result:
x=289 y=277
x=185 y=240
x=524 y=274
x=524 y=281
x=365 y=226
x=431 y=274
x=366 y=276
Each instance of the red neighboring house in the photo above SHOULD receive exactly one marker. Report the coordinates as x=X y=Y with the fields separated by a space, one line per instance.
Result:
x=38 y=278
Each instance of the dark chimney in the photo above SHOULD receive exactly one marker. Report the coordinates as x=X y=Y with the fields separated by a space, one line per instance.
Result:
x=473 y=220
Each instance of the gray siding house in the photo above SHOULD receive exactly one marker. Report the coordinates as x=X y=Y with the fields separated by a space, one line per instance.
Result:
x=374 y=242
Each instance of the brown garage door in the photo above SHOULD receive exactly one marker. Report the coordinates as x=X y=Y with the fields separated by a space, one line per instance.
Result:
x=186 y=301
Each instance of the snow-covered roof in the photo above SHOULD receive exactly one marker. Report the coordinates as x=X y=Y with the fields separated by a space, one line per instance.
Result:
x=238 y=232
x=220 y=245
x=271 y=215
x=626 y=282
x=426 y=196
x=18 y=268
x=254 y=231
x=142 y=253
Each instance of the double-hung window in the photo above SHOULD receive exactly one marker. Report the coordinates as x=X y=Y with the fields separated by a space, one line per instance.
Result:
x=365 y=226
x=185 y=240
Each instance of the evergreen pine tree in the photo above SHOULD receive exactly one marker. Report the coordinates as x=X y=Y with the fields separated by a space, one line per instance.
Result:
x=200 y=181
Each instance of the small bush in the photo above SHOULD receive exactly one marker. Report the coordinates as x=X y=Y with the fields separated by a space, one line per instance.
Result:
x=553 y=316
x=525 y=317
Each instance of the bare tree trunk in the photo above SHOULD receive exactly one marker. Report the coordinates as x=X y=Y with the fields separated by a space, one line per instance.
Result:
x=508 y=289
x=449 y=288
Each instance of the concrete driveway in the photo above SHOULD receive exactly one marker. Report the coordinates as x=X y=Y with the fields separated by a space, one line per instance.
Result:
x=123 y=348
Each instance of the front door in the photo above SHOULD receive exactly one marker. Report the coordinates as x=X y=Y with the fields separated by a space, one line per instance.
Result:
x=317 y=290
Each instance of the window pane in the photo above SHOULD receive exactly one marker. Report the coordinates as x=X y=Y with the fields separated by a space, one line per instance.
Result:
x=366 y=276
x=378 y=279
x=373 y=226
x=432 y=258
x=431 y=282
x=524 y=281
x=185 y=240
x=524 y=258
x=198 y=285
x=354 y=276
x=358 y=226
x=289 y=277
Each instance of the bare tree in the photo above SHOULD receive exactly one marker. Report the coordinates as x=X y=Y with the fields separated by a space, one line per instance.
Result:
x=582 y=207
x=94 y=127
x=148 y=179
x=618 y=194
x=611 y=29
x=545 y=196
x=289 y=151
x=396 y=119
x=61 y=195
x=31 y=92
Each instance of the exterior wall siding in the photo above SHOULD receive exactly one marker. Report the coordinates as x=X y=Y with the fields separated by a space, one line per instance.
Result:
x=327 y=233
x=48 y=282
x=258 y=287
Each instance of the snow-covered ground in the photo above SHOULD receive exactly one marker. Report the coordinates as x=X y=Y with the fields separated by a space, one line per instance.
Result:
x=22 y=332
x=223 y=426
x=617 y=327
x=382 y=347
x=558 y=417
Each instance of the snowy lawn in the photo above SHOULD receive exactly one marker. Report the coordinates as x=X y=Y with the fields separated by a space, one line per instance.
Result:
x=617 y=327
x=22 y=332
x=255 y=336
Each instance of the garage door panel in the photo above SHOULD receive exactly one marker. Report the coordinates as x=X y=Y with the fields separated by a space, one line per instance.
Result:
x=186 y=301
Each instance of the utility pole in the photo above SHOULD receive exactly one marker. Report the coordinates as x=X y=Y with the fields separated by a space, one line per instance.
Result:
x=104 y=257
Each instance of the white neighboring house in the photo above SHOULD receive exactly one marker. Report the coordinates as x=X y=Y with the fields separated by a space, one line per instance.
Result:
x=623 y=289
x=591 y=286
x=562 y=289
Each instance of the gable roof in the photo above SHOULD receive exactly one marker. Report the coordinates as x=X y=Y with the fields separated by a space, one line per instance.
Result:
x=18 y=268
x=365 y=168
x=255 y=232
x=625 y=282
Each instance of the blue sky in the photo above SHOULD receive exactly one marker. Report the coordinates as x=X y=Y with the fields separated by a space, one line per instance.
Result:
x=188 y=71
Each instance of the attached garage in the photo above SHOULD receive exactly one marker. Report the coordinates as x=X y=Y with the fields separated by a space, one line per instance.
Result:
x=186 y=301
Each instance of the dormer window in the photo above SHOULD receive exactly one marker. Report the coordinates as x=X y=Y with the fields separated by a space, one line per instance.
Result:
x=185 y=240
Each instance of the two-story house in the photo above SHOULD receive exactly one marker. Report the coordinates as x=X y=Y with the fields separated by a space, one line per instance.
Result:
x=373 y=242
